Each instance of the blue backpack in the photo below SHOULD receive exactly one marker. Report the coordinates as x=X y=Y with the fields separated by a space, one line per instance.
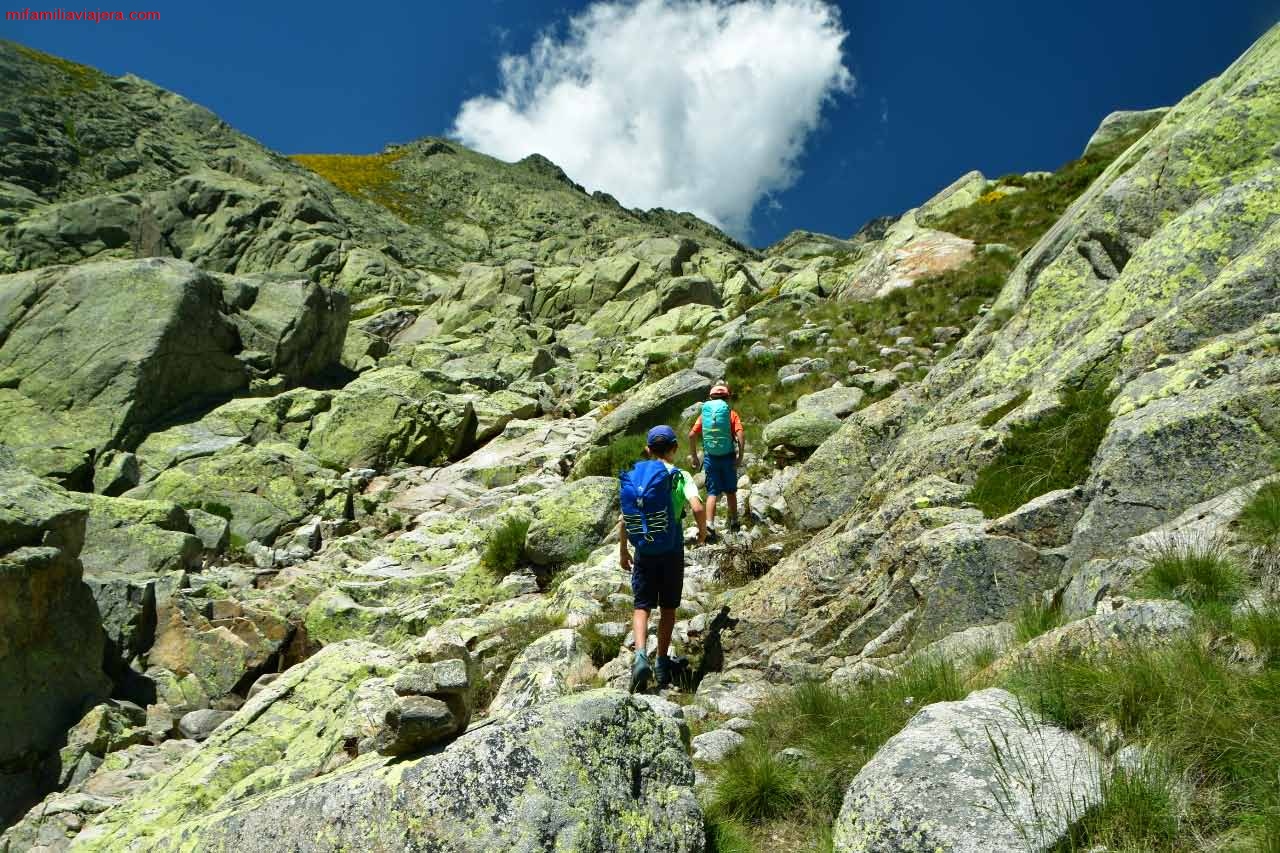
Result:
x=717 y=439
x=648 y=512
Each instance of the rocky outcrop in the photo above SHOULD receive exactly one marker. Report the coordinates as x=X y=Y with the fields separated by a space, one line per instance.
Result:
x=50 y=636
x=153 y=337
x=549 y=667
x=983 y=775
x=1122 y=123
x=598 y=771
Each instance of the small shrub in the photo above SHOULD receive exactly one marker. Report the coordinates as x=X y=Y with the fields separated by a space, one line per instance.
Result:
x=1261 y=627
x=1053 y=452
x=1035 y=618
x=1259 y=521
x=504 y=547
x=1196 y=571
x=754 y=786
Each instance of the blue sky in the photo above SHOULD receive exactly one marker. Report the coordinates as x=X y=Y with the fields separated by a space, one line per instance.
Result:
x=941 y=87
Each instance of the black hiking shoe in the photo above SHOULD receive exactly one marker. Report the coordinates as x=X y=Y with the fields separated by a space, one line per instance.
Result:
x=664 y=672
x=712 y=536
x=734 y=525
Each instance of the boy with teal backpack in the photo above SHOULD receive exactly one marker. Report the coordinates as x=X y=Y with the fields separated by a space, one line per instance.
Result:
x=654 y=495
x=723 y=444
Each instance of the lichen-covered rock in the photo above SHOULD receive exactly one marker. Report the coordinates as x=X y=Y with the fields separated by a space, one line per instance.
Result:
x=50 y=639
x=1045 y=522
x=652 y=404
x=803 y=429
x=839 y=400
x=715 y=746
x=287 y=733
x=982 y=775
x=261 y=489
x=1119 y=623
x=571 y=520
x=546 y=669
x=593 y=772
x=391 y=415
x=1122 y=123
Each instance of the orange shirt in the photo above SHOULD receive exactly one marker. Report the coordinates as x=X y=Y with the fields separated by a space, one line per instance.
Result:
x=735 y=425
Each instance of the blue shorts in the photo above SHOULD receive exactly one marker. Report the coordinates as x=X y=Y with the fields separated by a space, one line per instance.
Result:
x=656 y=579
x=722 y=474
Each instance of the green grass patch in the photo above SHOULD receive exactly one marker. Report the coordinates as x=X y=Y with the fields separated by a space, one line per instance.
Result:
x=1140 y=811
x=858 y=329
x=600 y=647
x=504 y=546
x=1261 y=627
x=1035 y=618
x=1195 y=571
x=1052 y=452
x=76 y=77
x=1019 y=219
x=839 y=729
x=1218 y=723
x=1259 y=520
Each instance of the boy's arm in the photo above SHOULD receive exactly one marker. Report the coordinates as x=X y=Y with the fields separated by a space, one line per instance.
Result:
x=739 y=437
x=624 y=554
x=694 y=435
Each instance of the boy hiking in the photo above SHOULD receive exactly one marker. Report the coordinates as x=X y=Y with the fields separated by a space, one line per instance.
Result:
x=723 y=444
x=654 y=495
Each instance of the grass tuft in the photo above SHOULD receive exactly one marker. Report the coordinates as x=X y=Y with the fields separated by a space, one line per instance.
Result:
x=1053 y=452
x=1194 y=571
x=1141 y=810
x=1261 y=627
x=504 y=547
x=1259 y=521
x=601 y=648
x=1035 y=618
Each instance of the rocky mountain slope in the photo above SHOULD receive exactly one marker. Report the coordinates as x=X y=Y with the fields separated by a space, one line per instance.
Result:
x=307 y=506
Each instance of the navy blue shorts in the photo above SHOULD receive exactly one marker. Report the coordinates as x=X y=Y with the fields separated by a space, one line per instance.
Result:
x=656 y=579
x=722 y=474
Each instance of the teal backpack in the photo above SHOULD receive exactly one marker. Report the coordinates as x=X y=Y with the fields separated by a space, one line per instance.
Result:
x=717 y=438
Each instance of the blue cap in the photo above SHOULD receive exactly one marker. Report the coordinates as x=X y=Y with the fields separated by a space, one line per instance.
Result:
x=661 y=436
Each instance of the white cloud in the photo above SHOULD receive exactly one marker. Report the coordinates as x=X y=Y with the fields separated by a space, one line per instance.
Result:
x=699 y=105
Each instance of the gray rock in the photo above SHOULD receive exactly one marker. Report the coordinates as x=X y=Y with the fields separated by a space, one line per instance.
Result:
x=1046 y=521
x=413 y=723
x=982 y=775
x=548 y=668
x=715 y=746
x=876 y=382
x=575 y=770
x=838 y=400
x=198 y=725
x=572 y=519
x=1122 y=123
x=803 y=429
x=1118 y=623
x=213 y=531
x=654 y=404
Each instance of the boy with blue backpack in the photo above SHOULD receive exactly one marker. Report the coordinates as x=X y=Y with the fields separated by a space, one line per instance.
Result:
x=723 y=444
x=654 y=495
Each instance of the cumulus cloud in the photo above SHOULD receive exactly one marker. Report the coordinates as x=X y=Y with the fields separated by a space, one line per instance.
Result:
x=698 y=105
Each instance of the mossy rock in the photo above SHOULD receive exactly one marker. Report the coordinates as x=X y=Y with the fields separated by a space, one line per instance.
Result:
x=572 y=520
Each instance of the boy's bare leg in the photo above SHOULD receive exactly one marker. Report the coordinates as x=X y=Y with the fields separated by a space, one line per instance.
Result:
x=733 y=506
x=666 y=624
x=640 y=626
x=711 y=510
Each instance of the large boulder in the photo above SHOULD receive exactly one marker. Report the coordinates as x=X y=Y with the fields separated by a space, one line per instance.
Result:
x=571 y=520
x=260 y=489
x=50 y=638
x=151 y=337
x=548 y=668
x=983 y=775
x=803 y=429
x=392 y=415
x=599 y=771
x=1122 y=123
x=655 y=403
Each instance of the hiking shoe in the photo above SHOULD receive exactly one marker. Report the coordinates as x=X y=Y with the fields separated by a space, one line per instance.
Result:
x=664 y=672
x=734 y=525
x=641 y=673
x=712 y=536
